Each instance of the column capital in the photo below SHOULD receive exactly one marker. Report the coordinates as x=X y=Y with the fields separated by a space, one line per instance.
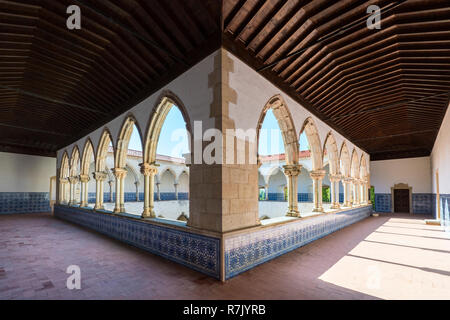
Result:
x=149 y=169
x=335 y=177
x=73 y=179
x=119 y=172
x=317 y=174
x=84 y=178
x=348 y=179
x=292 y=169
x=99 y=176
x=110 y=182
x=63 y=180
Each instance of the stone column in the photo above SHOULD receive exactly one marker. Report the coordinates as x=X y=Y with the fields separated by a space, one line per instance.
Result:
x=120 y=174
x=84 y=179
x=346 y=182
x=176 y=190
x=158 y=194
x=317 y=177
x=110 y=183
x=137 y=190
x=266 y=192
x=355 y=192
x=292 y=172
x=99 y=177
x=149 y=171
x=62 y=190
x=334 y=179
x=367 y=189
x=73 y=181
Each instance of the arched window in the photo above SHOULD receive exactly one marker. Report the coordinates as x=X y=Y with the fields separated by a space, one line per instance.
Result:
x=278 y=157
x=166 y=151
x=126 y=170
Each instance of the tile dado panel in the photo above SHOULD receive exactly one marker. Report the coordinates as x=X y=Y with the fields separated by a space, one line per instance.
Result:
x=247 y=250
x=422 y=203
x=201 y=253
x=24 y=202
x=445 y=211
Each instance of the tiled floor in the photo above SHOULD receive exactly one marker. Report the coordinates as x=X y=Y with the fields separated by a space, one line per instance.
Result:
x=388 y=257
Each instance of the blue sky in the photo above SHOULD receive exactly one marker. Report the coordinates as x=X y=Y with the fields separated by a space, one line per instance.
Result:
x=173 y=140
x=271 y=141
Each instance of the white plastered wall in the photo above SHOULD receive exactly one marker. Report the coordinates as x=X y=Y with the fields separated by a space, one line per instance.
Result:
x=413 y=171
x=25 y=173
x=440 y=157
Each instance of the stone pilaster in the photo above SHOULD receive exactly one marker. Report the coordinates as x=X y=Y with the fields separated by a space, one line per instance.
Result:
x=317 y=177
x=292 y=172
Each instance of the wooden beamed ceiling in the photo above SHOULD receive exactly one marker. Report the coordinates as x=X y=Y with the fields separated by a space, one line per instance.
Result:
x=386 y=90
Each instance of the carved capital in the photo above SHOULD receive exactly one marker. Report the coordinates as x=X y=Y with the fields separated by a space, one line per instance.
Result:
x=292 y=170
x=149 y=169
x=84 y=178
x=335 y=177
x=99 y=176
x=63 y=180
x=73 y=180
x=317 y=174
x=119 y=173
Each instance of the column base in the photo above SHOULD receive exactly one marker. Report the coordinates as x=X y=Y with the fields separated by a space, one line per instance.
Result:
x=317 y=210
x=148 y=214
x=293 y=213
x=122 y=208
x=83 y=205
x=99 y=208
x=335 y=206
x=117 y=210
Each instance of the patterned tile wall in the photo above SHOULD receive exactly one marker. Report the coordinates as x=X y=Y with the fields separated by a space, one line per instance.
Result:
x=422 y=203
x=445 y=211
x=24 y=202
x=198 y=252
x=382 y=202
x=245 y=251
x=131 y=196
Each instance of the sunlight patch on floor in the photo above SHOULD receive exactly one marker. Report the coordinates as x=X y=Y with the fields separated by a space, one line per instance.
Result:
x=402 y=259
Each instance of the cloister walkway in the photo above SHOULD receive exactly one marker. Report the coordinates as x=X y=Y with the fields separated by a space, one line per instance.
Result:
x=386 y=257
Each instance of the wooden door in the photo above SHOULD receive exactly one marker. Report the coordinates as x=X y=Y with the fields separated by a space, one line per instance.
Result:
x=401 y=200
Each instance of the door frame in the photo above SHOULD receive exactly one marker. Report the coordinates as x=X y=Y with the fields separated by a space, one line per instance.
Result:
x=401 y=186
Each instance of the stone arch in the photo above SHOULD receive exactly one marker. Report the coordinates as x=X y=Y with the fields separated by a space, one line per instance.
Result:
x=167 y=181
x=363 y=167
x=354 y=167
x=330 y=146
x=312 y=134
x=133 y=172
x=87 y=157
x=123 y=140
x=65 y=168
x=183 y=182
x=74 y=162
x=286 y=124
x=102 y=150
x=166 y=101
x=344 y=160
